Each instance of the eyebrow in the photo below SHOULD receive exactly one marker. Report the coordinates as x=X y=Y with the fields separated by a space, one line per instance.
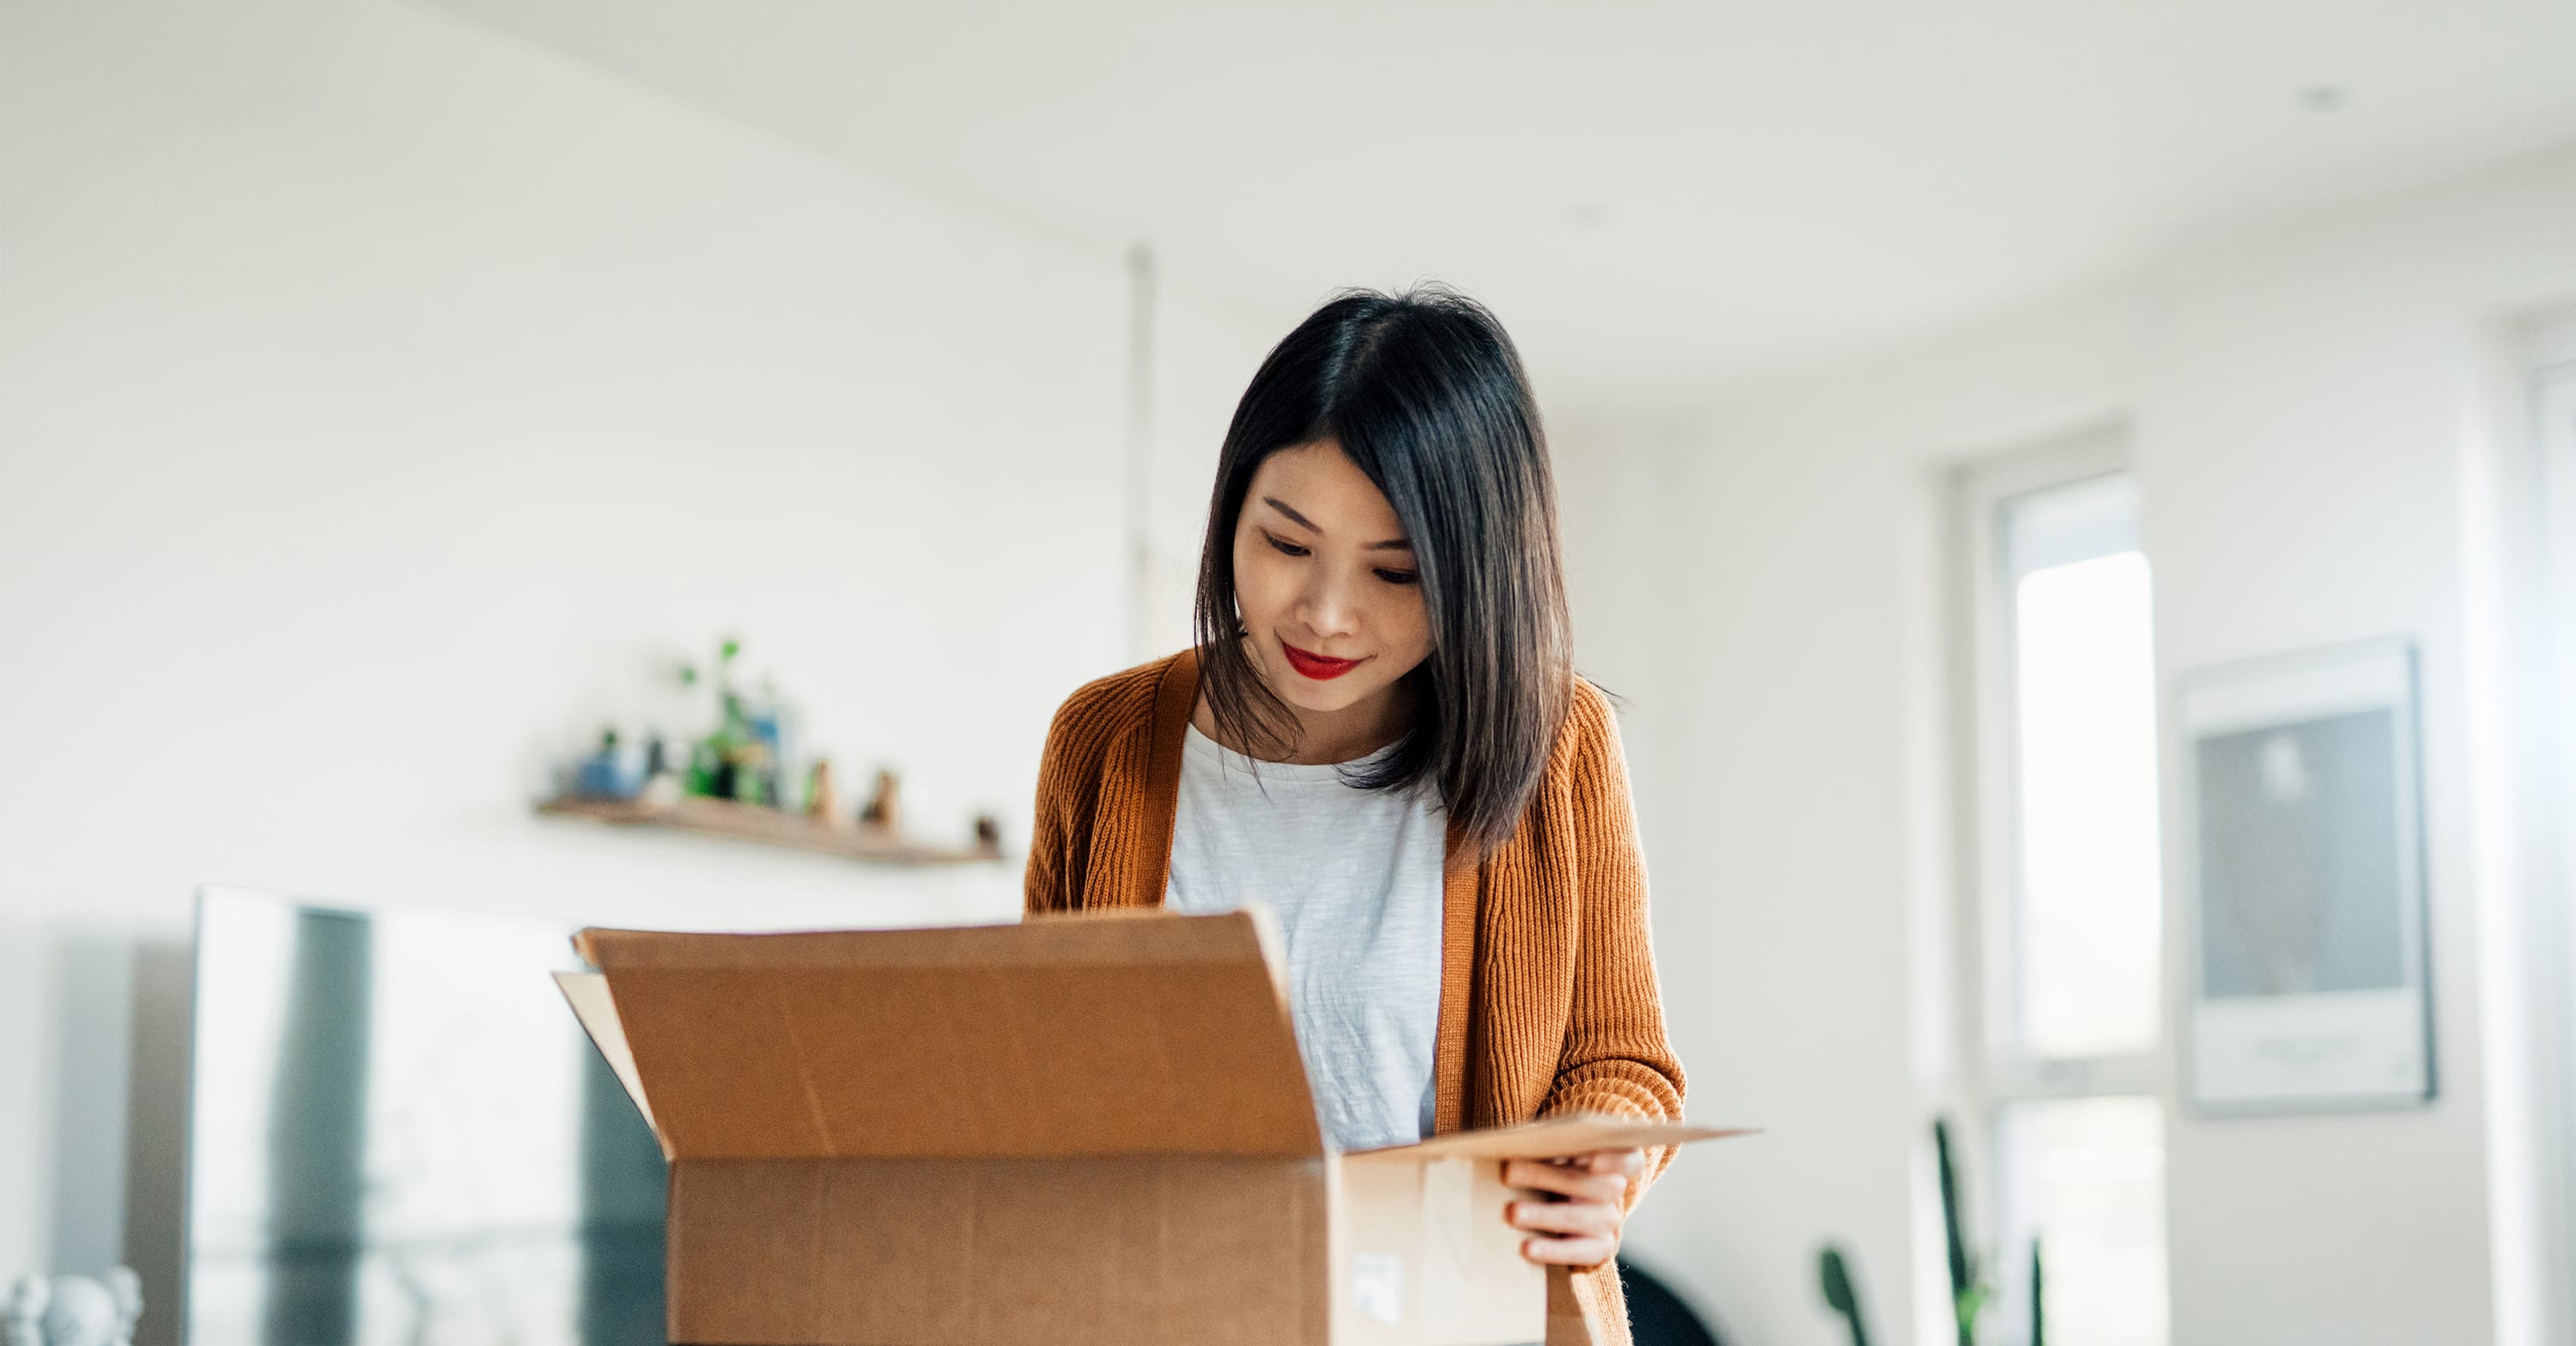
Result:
x=1392 y=544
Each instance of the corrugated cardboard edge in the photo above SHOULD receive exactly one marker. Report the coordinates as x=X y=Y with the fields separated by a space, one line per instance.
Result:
x=778 y=1045
x=587 y=993
x=1554 y=1138
x=1116 y=936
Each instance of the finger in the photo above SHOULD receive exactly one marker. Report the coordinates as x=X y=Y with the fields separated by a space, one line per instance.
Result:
x=1573 y=1183
x=1607 y=1191
x=1573 y=1252
x=1563 y=1217
x=1626 y=1163
x=1536 y=1176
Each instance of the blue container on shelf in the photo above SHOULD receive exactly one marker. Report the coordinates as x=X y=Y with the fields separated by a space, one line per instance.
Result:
x=610 y=773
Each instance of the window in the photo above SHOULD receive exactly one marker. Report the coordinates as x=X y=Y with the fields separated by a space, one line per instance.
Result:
x=2068 y=908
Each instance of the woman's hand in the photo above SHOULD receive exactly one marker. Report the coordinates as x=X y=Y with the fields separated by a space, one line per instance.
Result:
x=1574 y=1206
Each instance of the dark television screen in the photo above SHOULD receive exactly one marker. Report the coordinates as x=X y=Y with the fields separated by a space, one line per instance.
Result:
x=398 y=1136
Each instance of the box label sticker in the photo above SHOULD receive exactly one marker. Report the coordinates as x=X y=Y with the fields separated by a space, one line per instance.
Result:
x=1377 y=1286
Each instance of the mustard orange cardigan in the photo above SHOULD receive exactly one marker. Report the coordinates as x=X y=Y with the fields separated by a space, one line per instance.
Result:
x=1548 y=1000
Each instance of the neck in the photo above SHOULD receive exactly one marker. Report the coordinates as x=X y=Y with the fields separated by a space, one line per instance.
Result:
x=1323 y=737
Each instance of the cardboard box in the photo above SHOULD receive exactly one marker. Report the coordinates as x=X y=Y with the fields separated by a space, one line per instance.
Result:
x=1075 y=1131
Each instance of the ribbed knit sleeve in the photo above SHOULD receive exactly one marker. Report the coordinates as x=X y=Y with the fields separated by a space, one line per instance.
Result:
x=1052 y=880
x=1617 y=1059
x=1088 y=804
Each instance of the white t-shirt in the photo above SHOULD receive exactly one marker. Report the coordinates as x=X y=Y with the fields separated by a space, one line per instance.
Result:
x=1354 y=876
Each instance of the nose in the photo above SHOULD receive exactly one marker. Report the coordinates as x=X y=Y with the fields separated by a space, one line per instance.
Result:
x=1327 y=605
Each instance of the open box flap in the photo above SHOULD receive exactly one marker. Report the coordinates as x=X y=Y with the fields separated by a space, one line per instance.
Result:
x=587 y=993
x=1555 y=1137
x=1147 y=1034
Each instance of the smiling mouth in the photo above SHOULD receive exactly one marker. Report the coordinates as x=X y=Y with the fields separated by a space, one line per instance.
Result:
x=1316 y=666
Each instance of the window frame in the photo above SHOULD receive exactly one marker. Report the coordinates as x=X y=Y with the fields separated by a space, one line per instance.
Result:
x=2005 y=1072
x=1995 y=1073
x=2550 y=346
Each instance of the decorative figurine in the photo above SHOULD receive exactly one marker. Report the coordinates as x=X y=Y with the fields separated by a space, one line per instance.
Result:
x=662 y=786
x=988 y=835
x=73 y=1310
x=22 y=1318
x=885 y=808
x=823 y=794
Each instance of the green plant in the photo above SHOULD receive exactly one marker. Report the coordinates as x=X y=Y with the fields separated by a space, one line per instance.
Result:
x=1968 y=1288
x=1839 y=1292
x=1970 y=1291
x=2038 y=1334
x=731 y=760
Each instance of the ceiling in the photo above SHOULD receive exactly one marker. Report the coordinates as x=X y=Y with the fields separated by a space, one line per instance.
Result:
x=1657 y=198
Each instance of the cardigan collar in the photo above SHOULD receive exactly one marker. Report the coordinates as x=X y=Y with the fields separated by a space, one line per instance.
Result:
x=1176 y=697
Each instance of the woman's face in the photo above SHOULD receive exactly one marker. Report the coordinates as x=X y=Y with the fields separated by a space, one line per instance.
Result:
x=1325 y=582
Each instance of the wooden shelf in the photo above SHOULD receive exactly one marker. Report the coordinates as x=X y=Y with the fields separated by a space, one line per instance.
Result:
x=744 y=822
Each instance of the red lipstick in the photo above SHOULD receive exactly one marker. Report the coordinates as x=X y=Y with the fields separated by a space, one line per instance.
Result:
x=1316 y=666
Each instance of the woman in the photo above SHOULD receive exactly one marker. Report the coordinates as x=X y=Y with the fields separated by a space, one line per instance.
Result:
x=1380 y=734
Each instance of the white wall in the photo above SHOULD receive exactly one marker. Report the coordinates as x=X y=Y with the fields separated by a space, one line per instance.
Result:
x=1203 y=358
x=2313 y=421
x=380 y=398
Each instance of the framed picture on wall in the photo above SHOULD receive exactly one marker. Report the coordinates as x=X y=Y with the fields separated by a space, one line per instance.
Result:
x=2305 y=928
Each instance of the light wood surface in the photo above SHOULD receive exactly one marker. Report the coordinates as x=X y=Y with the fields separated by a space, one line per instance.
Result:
x=744 y=822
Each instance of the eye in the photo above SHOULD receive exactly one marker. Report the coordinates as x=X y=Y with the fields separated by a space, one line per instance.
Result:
x=1286 y=548
x=1400 y=576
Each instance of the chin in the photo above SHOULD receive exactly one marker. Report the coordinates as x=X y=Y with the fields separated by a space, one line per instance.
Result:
x=1323 y=698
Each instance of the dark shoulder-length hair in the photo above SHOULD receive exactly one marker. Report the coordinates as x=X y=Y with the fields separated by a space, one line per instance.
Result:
x=1425 y=394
